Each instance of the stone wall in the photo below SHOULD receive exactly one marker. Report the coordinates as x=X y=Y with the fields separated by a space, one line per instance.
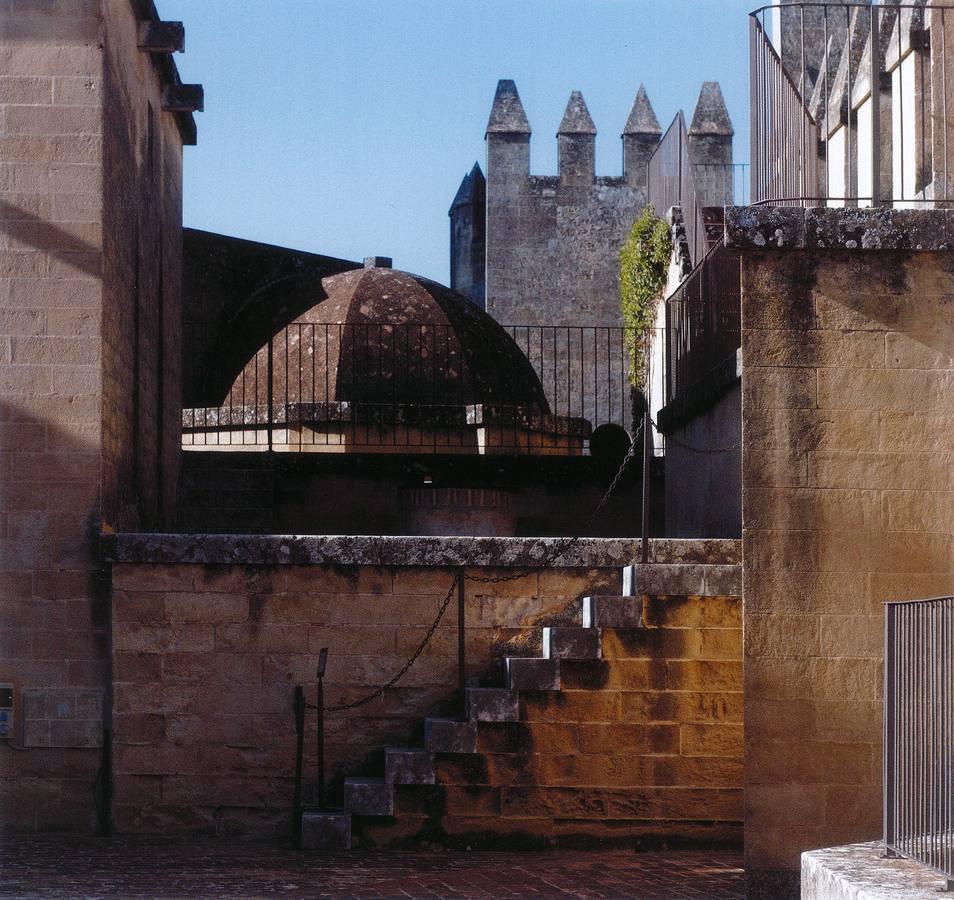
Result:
x=64 y=295
x=643 y=744
x=847 y=408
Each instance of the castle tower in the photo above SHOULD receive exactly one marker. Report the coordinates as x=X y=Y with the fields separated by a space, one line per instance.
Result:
x=576 y=144
x=468 y=232
x=710 y=146
x=640 y=138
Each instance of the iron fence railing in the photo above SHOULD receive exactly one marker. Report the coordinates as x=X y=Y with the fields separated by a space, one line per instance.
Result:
x=671 y=182
x=849 y=104
x=330 y=387
x=703 y=321
x=919 y=732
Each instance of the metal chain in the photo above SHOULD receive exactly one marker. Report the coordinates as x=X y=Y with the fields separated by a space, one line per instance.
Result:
x=690 y=447
x=552 y=553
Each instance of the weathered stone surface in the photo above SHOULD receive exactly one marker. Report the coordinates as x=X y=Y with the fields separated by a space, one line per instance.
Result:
x=823 y=228
x=368 y=797
x=270 y=549
x=493 y=705
x=450 y=736
x=528 y=674
x=683 y=580
x=862 y=870
x=571 y=643
x=605 y=611
x=325 y=831
x=408 y=766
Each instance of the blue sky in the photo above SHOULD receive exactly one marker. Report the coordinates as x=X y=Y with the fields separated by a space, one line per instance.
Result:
x=344 y=126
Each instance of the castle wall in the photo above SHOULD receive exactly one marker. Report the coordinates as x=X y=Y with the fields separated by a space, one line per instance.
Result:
x=553 y=248
x=847 y=347
x=645 y=743
x=64 y=292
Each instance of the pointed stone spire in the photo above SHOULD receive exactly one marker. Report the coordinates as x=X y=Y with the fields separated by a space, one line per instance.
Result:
x=710 y=146
x=471 y=185
x=640 y=139
x=576 y=144
x=576 y=119
x=507 y=115
x=711 y=115
x=642 y=117
x=508 y=138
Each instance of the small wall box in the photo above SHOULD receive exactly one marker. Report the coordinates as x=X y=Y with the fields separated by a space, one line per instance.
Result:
x=6 y=711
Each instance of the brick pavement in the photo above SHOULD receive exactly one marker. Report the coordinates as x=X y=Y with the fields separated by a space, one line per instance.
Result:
x=54 y=866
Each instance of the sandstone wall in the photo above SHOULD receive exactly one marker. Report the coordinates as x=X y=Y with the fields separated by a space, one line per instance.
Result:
x=63 y=297
x=643 y=744
x=847 y=409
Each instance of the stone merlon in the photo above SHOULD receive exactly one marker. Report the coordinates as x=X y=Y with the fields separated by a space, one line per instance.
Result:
x=507 y=115
x=642 y=118
x=711 y=115
x=576 y=119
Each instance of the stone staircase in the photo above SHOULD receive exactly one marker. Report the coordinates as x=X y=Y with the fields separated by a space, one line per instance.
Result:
x=488 y=707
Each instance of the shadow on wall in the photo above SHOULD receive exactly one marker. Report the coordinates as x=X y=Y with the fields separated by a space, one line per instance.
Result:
x=24 y=230
x=54 y=603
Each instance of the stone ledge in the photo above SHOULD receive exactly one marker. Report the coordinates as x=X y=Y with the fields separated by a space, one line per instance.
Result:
x=825 y=228
x=858 y=872
x=503 y=552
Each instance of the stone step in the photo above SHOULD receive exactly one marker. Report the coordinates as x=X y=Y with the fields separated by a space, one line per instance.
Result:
x=532 y=674
x=450 y=736
x=408 y=766
x=493 y=705
x=607 y=611
x=368 y=797
x=682 y=580
x=325 y=831
x=571 y=643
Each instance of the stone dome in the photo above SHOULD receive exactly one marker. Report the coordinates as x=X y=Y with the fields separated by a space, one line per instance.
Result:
x=390 y=340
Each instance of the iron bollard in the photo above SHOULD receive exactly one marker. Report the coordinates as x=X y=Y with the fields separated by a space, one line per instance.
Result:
x=320 y=706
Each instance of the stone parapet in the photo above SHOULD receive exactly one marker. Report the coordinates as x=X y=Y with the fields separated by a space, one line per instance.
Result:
x=279 y=549
x=824 y=228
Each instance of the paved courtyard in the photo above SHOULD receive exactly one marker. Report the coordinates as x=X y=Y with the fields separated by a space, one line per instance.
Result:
x=137 y=867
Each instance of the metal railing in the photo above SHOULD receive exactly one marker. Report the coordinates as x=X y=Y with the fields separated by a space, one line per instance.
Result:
x=849 y=104
x=703 y=321
x=919 y=732
x=363 y=386
x=671 y=182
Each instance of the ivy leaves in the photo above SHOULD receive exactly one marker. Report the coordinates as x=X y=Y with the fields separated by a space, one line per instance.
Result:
x=643 y=264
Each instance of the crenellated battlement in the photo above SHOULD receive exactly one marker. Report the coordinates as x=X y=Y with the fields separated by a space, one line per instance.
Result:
x=545 y=248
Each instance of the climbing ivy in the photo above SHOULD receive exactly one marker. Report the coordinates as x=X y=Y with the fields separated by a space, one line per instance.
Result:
x=643 y=263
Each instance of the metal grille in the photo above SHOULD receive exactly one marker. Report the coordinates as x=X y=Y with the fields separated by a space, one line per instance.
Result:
x=849 y=104
x=362 y=386
x=703 y=321
x=918 y=735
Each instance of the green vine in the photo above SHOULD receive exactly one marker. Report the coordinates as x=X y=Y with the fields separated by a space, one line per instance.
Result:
x=643 y=264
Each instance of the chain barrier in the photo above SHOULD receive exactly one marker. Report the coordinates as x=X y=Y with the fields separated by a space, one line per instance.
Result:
x=690 y=447
x=555 y=551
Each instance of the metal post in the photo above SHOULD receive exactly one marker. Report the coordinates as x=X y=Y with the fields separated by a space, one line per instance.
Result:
x=890 y=706
x=299 y=755
x=461 y=648
x=875 y=79
x=320 y=705
x=270 y=388
x=647 y=454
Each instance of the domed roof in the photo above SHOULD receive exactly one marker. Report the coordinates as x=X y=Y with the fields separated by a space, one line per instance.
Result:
x=389 y=339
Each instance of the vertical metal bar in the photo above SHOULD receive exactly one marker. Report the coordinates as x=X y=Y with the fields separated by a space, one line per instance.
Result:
x=890 y=724
x=299 y=759
x=461 y=648
x=647 y=451
x=320 y=705
x=875 y=56
x=270 y=387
